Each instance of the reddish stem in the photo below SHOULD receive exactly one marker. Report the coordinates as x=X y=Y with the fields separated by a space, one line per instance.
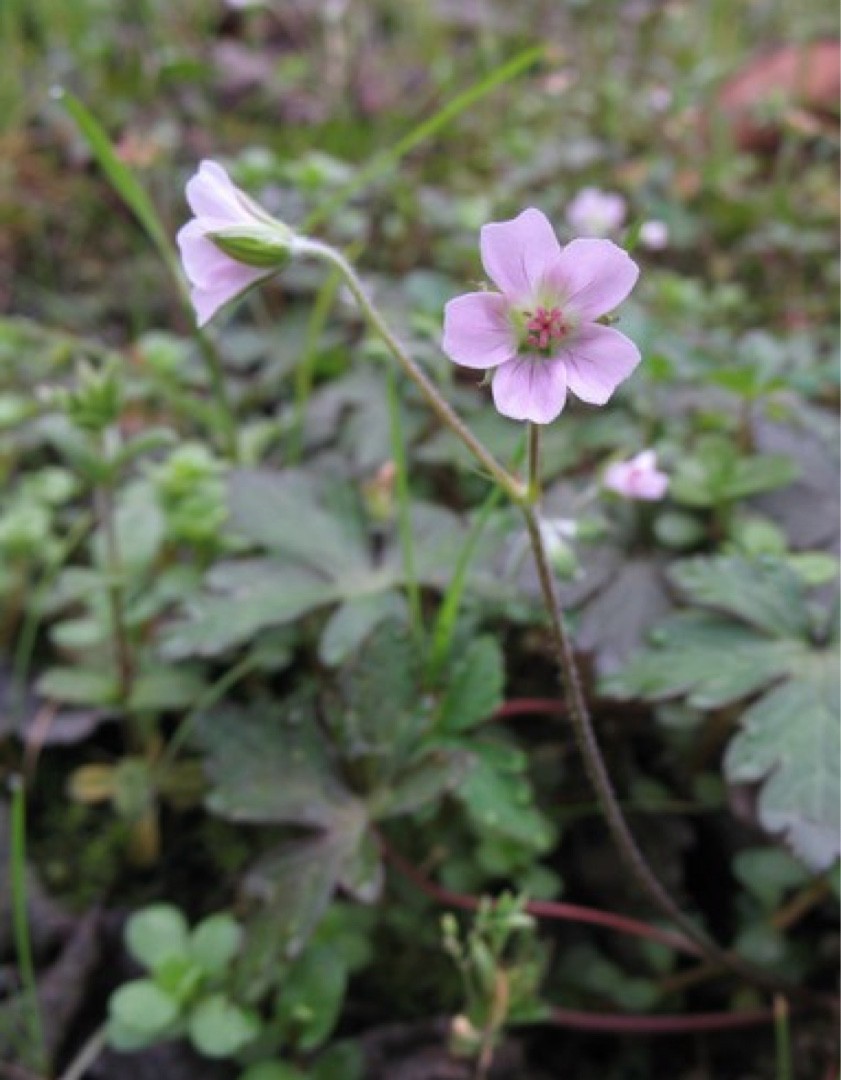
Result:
x=530 y=707
x=546 y=909
x=618 y=1024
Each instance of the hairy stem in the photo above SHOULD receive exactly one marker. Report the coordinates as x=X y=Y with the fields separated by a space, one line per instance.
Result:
x=430 y=393
x=585 y=737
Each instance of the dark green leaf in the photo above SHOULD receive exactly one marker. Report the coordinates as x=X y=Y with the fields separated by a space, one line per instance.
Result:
x=474 y=688
x=311 y=997
x=380 y=715
x=790 y=740
x=351 y=623
x=498 y=797
x=296 y=516
x=707 y=658
x=762 y=593
x=267 y=766
x=424 y=783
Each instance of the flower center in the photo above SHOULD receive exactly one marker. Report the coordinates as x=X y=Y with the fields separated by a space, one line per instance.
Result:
x=544 y=328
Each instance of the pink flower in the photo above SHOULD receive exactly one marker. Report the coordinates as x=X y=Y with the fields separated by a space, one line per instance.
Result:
x=540 y=330
x=226 y=217
x=596 y=213
x=638 y=478
x=654 y=235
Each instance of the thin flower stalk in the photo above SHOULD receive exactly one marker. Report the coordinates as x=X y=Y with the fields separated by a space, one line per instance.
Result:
x=513 y=487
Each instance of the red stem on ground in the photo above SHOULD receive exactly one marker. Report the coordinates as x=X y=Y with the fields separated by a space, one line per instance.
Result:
x=614 y=1023
x=530 y=707
x=619 y=1024
x=544 y=909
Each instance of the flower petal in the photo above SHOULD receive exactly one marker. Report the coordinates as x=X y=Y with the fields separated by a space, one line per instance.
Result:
x=528 y=388
x=202 y=259
x=638 y=478
x=593 y=277
x=208 y=299
x=597 y=359
x=211 y=193
x=516 y=254
x=477 y=332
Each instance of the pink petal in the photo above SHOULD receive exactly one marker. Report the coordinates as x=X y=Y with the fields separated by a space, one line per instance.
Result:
x=593 y=277
x=477 y=331
x=530 y=389
x=597 y=359
x=645 y=461
x=638 y=478
x=653 y=486
x=516 y=253
x=211 y=193
x=208 y=300
x=202 y=259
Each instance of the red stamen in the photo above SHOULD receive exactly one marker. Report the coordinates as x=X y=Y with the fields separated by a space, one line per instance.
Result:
x=544 y=327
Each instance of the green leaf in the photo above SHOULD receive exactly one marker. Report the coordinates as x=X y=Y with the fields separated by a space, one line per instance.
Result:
x=293 y=514
x=760 y=641
x=379 y=716
x=156 y=934
x=267 y=767
x=475 y=686
x=143 y=1007
x=706 y=658
x=215 y=942
x=218 y=623
x=218 y=1028
x=355 y=620
x=425 y=782
x=295 y=883
x=790 y=740
x=311 y=998
x=764 y=593
x=77 y=686
x=120 y=176
x=768 y=874
x=164 y=688
x=717 y=474
x=498 y=797
x=125 y=1039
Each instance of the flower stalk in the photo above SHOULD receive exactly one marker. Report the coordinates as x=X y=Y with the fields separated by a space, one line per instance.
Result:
x=512 y=487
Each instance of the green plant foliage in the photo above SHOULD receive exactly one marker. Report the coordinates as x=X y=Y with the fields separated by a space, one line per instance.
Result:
x=141 y=1013
x=309 y=1003
x=156 y=935
x=474 y=687
x=717 y=474
x=218 y=1028
x=762 y=636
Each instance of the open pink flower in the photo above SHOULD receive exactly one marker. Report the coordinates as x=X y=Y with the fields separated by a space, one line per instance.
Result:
x=638 y=478
x=219 y=206
x=540 y=331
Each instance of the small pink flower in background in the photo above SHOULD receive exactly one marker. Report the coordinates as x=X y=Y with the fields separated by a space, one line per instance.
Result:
x=654 y=235
x=596 y=213
x=221 y=209
x=638 y=478
x=540 y=331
